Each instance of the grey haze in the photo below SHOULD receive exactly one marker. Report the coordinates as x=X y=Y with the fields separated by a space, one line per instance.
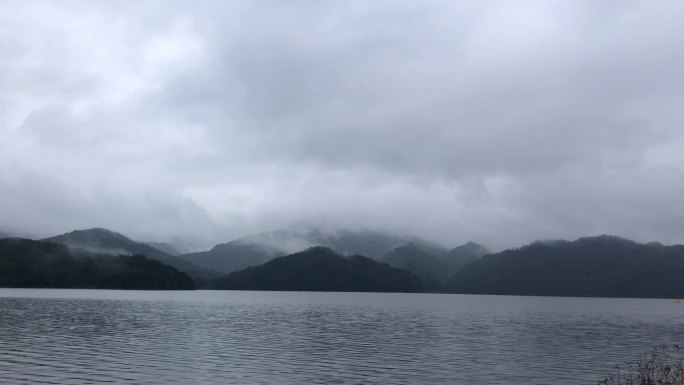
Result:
x=199 y=122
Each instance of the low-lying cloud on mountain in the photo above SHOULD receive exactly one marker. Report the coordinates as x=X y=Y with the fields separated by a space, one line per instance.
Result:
x=195 y=123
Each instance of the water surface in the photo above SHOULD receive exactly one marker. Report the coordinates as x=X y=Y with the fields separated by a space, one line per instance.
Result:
x=236 y=337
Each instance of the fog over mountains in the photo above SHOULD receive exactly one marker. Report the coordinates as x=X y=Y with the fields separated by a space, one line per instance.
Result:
x=164 y=247
x=259 y=248
x=99 y=240
x=338 y=259
x=322 y=269
x=45 y=264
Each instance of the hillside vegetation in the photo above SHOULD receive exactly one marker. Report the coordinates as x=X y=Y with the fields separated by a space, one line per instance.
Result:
x=27 y=263
x=603 y=266
x=321 y=269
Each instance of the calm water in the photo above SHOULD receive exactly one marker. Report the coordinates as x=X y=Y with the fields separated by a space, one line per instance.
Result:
x=214 y=337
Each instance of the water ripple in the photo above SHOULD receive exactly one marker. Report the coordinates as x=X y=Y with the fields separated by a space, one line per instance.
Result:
x=93 y=337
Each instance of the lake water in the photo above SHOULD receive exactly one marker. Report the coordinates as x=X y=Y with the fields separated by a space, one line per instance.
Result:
x=237 y=337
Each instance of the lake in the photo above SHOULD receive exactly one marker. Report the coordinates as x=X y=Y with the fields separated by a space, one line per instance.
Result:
x=239 y=337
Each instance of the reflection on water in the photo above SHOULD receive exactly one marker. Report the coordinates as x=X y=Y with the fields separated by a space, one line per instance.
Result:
x=206 y=337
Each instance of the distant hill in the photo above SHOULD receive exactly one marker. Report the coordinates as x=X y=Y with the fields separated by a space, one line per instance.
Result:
x=3 y=235
x=462 y=255
x=100 y=240
x=372 y=244
x=256 y=249
x=433 y=264
x=411 y=257
x=27 y=263
x=605 y=266
x=164 y=247
x=232 y=256
x=321 y=269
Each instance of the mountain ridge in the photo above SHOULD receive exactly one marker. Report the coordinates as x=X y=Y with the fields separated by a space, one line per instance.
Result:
x=29 y=263
x=262 y=247
x=598 y=266
x=101 y=240
x=321 y=269
x=430 y=268
x=164 y=247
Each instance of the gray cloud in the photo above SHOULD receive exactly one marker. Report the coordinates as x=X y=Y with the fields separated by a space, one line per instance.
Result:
x=205 y=121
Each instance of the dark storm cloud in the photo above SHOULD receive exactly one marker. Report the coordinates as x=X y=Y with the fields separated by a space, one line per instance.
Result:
x=494 y=121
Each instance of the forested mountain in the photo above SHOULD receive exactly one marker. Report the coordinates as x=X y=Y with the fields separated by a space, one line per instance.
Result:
x=256 y=249
x=106 y=241
x=411 y=257
x=592 y=266
x=371 y=244
x=433 y=264
x=100 y=240
x=604 y=266
x=461 y=255
x=232 y=256
x=164 y=247
x=322 y=269
x=27 y=263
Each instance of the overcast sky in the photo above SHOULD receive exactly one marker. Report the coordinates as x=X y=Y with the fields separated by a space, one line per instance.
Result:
x=495 y=121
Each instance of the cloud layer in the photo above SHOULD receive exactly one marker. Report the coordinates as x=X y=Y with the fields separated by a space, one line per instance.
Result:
x=205 y=121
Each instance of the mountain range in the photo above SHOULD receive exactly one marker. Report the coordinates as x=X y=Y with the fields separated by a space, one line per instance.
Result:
x=425 y=259
x=433 y=263
x=591 y=266
x=260 y=248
